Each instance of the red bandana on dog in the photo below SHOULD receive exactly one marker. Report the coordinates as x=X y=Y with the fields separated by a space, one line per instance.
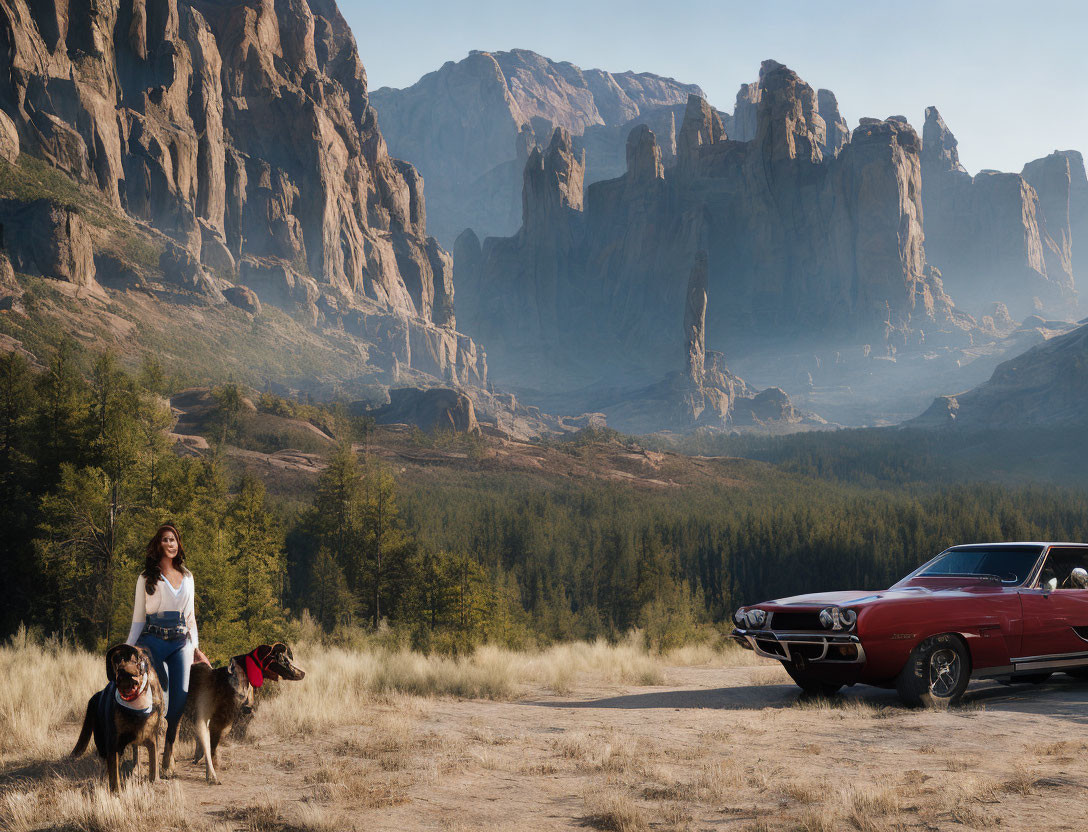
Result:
x=253 y=671
x=256 y=664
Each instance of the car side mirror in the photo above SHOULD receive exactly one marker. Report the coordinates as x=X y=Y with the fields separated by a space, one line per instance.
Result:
x=1079 y=577
x=1050 y=585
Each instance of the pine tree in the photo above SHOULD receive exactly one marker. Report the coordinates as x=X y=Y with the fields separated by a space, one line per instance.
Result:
x=153 y=420
x=255 y=543
x=62 y=419
x=329 y=600
x=385 y=544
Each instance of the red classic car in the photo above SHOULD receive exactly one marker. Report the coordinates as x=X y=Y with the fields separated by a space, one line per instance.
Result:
x=1010 y=611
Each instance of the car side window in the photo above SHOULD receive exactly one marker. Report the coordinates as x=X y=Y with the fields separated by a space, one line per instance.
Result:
x=1065 y=569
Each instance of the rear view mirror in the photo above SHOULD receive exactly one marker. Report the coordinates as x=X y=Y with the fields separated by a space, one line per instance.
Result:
x=1079 y=577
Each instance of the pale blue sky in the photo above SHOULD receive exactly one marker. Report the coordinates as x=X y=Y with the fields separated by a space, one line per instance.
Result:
x=1008 y=77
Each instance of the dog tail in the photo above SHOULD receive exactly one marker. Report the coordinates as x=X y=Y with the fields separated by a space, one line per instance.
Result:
x=88 y=726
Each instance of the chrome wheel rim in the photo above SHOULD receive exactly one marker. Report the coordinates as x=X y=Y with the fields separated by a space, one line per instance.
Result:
x=944 y=672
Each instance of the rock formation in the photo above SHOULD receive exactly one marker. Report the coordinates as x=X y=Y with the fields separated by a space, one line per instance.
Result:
x=436 y=409
x=799 y=244
x=988 y=234
x=1061 y=185
x=704 y=393
x=838 y=131
x=44 y=238
x=244 y=132
x=469 y=126
x=1045 y=386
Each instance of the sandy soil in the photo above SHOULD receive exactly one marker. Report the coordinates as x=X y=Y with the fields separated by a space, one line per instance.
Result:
x=712 y=749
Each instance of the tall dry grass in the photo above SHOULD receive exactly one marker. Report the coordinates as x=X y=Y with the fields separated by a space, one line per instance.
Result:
x=44 y=685
x=352 y=680
x=57 y=804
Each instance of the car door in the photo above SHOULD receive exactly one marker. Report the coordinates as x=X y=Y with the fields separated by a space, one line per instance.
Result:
x=1056 y=619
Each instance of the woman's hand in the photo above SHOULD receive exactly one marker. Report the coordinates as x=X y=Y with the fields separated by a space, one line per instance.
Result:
x=200 y=658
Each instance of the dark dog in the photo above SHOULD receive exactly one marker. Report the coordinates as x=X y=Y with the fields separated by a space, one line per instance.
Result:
x=128 y=711
x=217 y=697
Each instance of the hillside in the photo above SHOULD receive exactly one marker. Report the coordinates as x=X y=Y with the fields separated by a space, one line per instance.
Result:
x=219 y=157
x=1047 y=386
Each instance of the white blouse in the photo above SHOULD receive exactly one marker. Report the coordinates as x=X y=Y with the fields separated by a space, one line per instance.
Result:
x=165 y=599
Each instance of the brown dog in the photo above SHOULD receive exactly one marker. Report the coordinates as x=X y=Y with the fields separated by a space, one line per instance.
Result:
x=217 y=697
x=128 y=711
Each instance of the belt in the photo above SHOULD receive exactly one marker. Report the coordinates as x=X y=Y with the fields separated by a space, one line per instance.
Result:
x=166 y=626
x=166 y=633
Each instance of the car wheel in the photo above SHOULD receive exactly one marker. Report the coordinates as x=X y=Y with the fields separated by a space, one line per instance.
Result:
x=1079 y=673
x=936 y=674
x=809 y=683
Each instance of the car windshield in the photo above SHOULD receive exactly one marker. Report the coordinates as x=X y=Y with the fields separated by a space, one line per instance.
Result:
x=1011 y=564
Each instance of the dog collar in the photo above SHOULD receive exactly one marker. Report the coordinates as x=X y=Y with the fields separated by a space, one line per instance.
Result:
x=128 y=704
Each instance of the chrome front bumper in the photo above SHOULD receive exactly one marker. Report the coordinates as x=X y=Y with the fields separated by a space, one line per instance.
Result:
x=811 y=647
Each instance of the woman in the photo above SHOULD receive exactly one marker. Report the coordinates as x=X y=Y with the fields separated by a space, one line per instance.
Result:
x=164 y=621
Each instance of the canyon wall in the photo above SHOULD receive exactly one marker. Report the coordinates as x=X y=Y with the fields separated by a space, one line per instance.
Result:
x=243 y=131
x=804 y=238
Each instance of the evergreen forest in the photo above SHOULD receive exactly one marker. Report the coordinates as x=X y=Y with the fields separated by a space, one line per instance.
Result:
x=88 y=470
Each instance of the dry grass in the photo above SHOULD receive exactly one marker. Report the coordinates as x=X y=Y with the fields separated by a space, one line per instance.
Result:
x=28 y=720
x=610 y=751
x=388 y=736
x=726 y=654
x=610 y=809
x=354 y=680
x=92 y=807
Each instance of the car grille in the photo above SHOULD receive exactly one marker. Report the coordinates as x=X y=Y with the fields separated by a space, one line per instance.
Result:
x=793 y=621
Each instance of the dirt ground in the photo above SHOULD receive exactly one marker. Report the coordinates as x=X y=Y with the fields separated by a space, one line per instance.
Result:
x=711 y=749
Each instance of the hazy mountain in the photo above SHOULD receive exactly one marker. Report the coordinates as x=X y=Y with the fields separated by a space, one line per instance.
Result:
x=468 y=127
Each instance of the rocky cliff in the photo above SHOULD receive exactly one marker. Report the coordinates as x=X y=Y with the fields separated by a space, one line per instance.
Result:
x=1000 y=236
x=800 y=242
x=243 y=134
x=469 y=126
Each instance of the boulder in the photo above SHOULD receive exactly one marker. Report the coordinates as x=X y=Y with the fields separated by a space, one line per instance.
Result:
x=214 y=252
x=46 y=238
x=433 y=410
x=182 y=269
x=244 y=298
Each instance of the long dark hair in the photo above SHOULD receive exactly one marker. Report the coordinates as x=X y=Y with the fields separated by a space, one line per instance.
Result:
x=153 y=556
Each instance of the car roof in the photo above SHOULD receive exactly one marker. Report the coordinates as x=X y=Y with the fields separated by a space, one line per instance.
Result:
x=1015 y=543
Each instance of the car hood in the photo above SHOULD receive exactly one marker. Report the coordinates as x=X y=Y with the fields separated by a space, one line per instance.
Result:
x=859 y=598
x=943 y=587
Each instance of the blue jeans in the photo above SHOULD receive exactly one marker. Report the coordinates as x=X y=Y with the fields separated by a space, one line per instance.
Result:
x=172 y=662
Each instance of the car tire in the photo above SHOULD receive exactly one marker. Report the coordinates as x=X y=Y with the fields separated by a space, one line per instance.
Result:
x=808 y=682
x=1079 y=673
x=936 y=674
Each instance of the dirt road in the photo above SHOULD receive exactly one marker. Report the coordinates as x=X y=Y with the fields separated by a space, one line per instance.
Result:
x=712 y=749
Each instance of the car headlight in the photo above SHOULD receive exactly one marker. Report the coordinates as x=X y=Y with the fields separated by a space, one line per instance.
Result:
x=756 y=618
x=834 y=618
x=739 y=619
